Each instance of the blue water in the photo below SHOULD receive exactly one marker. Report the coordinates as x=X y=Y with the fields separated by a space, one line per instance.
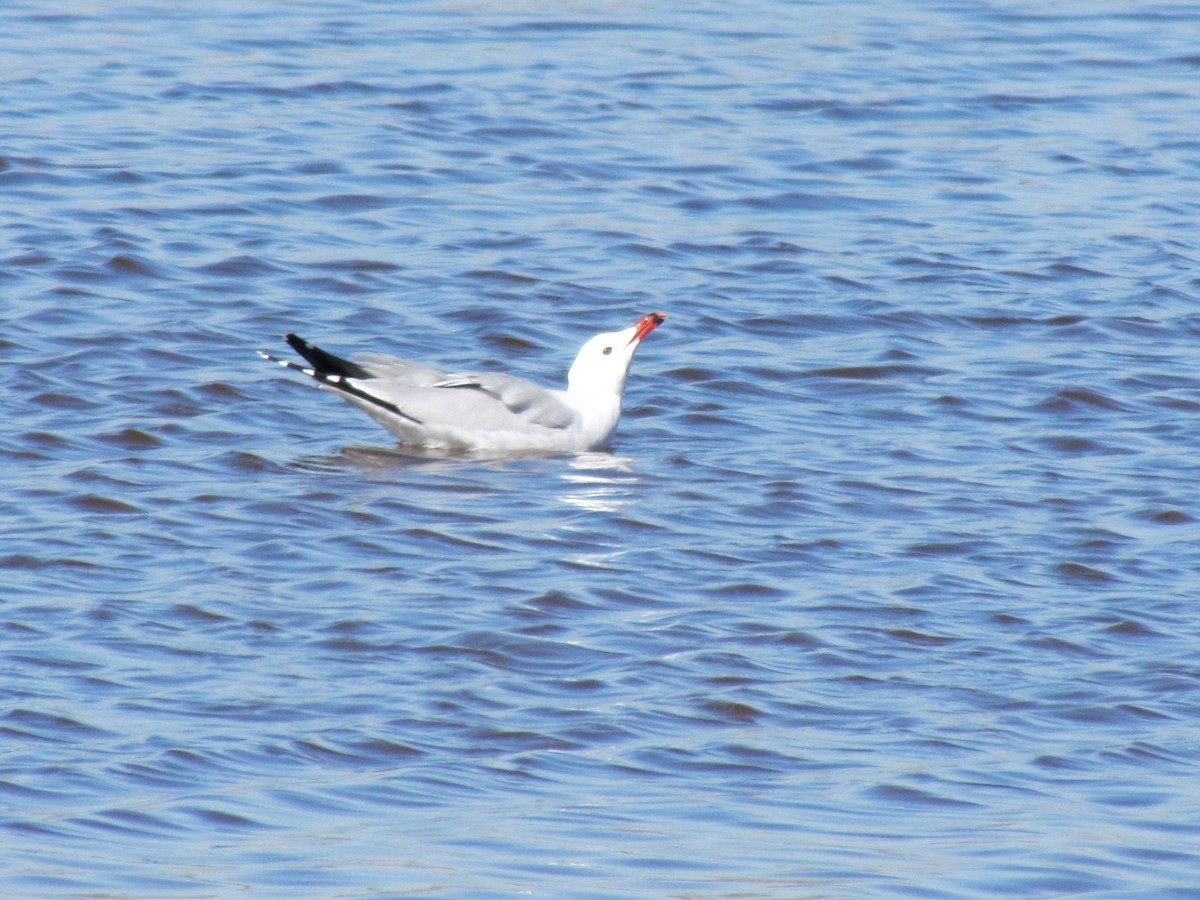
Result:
x=887 y=587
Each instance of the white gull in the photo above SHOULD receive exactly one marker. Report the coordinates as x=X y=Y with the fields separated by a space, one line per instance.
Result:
x=492 y=412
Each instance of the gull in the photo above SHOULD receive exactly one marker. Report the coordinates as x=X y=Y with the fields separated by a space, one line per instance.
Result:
x=491 y=412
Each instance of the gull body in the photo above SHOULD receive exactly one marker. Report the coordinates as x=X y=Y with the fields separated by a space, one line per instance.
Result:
x=429 y=409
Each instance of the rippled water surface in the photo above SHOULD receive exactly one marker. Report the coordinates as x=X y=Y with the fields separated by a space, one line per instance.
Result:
x=887 y=587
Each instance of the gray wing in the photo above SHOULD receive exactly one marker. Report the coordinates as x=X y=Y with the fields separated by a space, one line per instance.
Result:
x=479 y=400
x=527 y=401
x=399 y=371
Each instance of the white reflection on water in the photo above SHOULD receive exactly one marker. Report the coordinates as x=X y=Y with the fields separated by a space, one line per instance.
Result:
x=594 y=482
x=599 y=482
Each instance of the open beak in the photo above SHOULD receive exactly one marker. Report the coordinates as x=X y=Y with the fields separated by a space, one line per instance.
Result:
x=647 y=324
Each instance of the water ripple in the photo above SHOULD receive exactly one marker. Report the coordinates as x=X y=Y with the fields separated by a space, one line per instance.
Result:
x=899 y=525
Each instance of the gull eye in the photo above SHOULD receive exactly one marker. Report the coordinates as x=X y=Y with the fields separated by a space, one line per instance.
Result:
x=607 y=350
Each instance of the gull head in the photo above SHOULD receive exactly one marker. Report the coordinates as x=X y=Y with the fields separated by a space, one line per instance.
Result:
x=603 y=362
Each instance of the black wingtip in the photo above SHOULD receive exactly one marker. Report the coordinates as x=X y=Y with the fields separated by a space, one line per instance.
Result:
x=333 y=371
x=323 y=362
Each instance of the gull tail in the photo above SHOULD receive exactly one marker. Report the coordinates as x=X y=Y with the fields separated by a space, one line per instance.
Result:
x=334 y=372
x=324 y=362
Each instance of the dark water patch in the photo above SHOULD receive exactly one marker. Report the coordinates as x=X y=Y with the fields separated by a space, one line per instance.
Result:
x=799 y=200
x=339 y=88
x=877 y=373
x=385 y=751
x=647 y=250
x=319 y=167
x=25 y=561
x=518 y=741
x=352 y=646
x=518 y=653
x=909 y=636
x=947 y=548
x=501 y=242
x=1008 y=103
x=96 y=504
x=1070 y=270
x=240 y=267
x=942 y=263
x=1066 y=648
x=1142 y=712
x=222 y=820
x=1073 y=445
x=1057 y=763
x=36 y=830
x=501 y=276
x=327 y=755
x=518 y=131
x=319 y=286
x=44 y=726
x=309 y=801
x=849 y=283
x=1081 y=574
x=834 y=109
x=1098 y=715
x=415 y=107
x=902 y=795
x=28 y=260
x=746 y=590
x=557 y=603
x=132 y=439
x=126 y=178
x=704 y=251
x=359 y=265
x=19 y=180
x=1072 y=400
x=214 y=391
x=583 y=26
x=797 y=639
x=730 y=712
x=1129 y=628
x=85 y=274
x=1167 y=516
x=222 y=210
x=131 y=823
x=965 y=196
x=66 y=402
x=242 y=461
x=352 y=203
x=1002 y=321
x=189 y=614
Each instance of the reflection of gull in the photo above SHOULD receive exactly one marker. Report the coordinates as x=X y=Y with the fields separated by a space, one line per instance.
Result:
x=600 y=482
